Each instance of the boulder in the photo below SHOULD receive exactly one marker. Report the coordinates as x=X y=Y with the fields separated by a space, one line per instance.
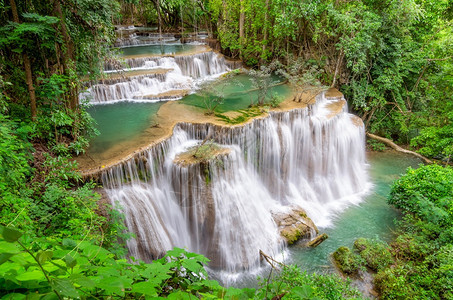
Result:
x=295 y=225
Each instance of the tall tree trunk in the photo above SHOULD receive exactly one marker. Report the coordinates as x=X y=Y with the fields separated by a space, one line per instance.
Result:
x=157 y=3
x=241 y=26
x=68 y=55
x=265 y=26
x=27 y=67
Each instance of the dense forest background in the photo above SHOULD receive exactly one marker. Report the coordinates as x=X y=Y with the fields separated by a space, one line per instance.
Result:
x=393 y=60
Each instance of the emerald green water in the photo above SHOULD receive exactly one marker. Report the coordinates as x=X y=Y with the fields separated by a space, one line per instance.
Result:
x=124 y=121
x=158 y=49
x=237 y=91
x=121 y=122
x=373 y=218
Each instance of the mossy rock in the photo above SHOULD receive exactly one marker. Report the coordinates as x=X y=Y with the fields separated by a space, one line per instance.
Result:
x=376 y=253
x=347 y=261
x=293 y=234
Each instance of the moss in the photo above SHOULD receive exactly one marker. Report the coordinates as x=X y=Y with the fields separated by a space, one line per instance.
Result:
x=291 y=235
x=376 y=253
x=347 y=261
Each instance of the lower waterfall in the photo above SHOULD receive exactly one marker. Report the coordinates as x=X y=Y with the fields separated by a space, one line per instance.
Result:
x=310 y=158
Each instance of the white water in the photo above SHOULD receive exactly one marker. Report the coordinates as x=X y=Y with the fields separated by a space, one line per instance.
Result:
x=291 y=158
x=182 y=73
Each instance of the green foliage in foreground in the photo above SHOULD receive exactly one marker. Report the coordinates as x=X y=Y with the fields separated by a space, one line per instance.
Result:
x=419 y=263
x=79 y=269
x=43 y=195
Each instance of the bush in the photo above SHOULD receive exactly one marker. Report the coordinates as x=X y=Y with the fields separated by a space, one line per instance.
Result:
x=375 y=253
x=349 y=262
x=426 y=192
x=292 y=283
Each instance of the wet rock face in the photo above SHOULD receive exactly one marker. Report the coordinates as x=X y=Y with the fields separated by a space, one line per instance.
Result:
x=295 y=225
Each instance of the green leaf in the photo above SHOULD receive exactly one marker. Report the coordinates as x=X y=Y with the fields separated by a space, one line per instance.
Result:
x=147 y=288
x=64 y=287
x=10 y=234
x=82 y=281
x=68 y=243
x=44 y=256
x=7 y=247
x=13 y=296
x=4 y=257
x=115 y=285
x=192 y=265
x=180 y=295
x=70 y=261
x=31 y=275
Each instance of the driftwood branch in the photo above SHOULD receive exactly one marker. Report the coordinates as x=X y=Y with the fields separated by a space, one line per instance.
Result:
x=391 y=144
x=272 y=262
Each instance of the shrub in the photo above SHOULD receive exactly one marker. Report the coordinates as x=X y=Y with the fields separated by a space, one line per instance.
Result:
x=375 y=253
x=348 y=261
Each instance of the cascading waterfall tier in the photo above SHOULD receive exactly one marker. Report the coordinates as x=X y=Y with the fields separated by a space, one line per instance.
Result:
x=184 y=72
x=312 y=158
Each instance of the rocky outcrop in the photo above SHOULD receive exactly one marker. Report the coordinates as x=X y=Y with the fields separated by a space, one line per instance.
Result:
x=295 y=225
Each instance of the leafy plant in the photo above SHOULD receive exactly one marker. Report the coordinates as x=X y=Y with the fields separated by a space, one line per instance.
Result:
x=347 y=261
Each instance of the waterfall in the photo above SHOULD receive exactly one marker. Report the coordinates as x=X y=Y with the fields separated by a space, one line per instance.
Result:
x=312 y=158
x=182 y=72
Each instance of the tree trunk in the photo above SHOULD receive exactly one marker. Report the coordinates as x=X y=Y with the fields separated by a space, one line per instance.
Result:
x=160 y=18
x=241 y=26
x=337 y=68
x=398 y=148
x=68 y=56
x=27 y=67
x=265 y=26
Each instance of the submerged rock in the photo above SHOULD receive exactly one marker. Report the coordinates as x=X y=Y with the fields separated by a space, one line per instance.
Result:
x=295 y=225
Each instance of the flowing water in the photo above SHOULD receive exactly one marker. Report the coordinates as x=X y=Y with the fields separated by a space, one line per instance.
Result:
x=158 y=49
x=302 y=158
x=373 y=218
x=224 y=208
x=151 y=77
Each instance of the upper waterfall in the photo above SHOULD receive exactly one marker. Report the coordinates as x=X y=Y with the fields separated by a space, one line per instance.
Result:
x=312 y=158
x=161 y=77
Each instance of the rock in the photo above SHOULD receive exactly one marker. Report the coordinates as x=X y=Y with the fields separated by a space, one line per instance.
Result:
x=295 y=225
x=317 y=240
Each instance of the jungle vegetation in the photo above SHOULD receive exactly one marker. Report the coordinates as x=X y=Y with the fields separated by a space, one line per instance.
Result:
x=391 y=58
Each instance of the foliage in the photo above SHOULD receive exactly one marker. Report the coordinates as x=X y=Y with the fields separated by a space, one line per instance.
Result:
x=375 y=253
x=375 y=145
x=14 y=171
x=418 y=263
x=427 y=193
x=292 y=283
x=79 y=269
x=262 y=81
x=76 y=269
x=347 y=261
x=205 y=151
x=391 y=59
x=244 y=115
x=276 y=100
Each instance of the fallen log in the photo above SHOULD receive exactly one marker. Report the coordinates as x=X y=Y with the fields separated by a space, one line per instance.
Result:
x=391 y=144
x=317 y=240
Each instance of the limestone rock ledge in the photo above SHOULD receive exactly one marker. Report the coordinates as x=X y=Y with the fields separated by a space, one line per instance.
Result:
x=295 y=225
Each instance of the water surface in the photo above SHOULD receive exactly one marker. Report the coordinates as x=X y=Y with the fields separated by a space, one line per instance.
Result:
x=119 y=122
x=372 y=218
x=237 y=91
